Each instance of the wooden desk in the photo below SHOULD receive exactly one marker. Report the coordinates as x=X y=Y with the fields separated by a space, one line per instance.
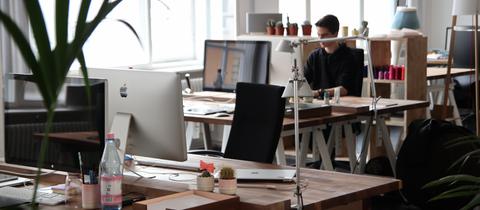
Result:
x=325 y=190
x=441 y=72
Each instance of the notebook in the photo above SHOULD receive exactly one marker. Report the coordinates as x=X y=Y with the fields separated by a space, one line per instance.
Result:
x=285 y=175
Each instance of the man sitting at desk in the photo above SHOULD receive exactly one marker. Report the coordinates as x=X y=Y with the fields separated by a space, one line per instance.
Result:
x=332 y=65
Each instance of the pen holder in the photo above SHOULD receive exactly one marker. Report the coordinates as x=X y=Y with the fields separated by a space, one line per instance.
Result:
x=90 y=196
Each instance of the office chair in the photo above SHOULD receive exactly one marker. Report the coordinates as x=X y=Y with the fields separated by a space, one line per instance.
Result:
x=359 y=66
x=257 y=123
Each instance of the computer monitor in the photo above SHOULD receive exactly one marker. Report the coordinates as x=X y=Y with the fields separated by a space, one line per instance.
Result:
x=464 y=51
x=145 y=111
x=78 y=125
x=227 y=62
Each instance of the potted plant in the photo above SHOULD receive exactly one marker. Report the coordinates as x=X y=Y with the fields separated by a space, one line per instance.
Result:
x=307 y=28
x=205 y=181
x=227 y=183
x=279 y=30
x=461 y=185
x=293 y=29
x=271 y=27
x=51 y=63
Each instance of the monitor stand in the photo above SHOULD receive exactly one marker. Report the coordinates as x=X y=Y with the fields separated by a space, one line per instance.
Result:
x=121 y=127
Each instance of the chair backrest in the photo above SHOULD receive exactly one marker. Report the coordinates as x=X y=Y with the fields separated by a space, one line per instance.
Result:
x=257 y=122
x=359 y=65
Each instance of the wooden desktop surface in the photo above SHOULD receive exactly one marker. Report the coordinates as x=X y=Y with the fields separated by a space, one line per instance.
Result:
x=441 y=72
x=325 y=189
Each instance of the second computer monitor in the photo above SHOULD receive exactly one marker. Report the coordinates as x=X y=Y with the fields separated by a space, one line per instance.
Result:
x=154 y=101
x=227 y=62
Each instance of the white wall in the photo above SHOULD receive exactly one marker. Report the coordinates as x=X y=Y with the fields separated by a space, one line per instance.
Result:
x=438 y=18
x=258 y=6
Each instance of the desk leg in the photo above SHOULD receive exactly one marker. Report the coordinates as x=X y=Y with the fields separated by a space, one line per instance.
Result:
x=365 y=145
x=280 y=153
x=322 y=148
x=226 y=134
x=304 y=147
x=350 y=141
x=387 y=142
x=207 y=138
x=189 y=127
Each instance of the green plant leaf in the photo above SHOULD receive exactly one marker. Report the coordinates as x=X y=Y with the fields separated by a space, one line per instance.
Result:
x=61 y=24
x=83 y=68
x=473 y=203
x=46 y=60
x=453 y=179
x=458 y=194
x=129 y=26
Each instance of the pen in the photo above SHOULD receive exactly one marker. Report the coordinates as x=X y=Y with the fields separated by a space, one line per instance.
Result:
x=81 y=165
x=92 y=177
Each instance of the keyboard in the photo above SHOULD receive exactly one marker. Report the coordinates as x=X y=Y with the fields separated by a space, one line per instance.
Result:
x=26 y=194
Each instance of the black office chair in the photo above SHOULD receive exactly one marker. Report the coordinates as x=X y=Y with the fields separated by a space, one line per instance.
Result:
x=257 y=123
x=359 y=66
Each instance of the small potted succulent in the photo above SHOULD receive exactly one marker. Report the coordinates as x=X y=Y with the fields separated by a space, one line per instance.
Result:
x=271 y=27
x=279 y=30
x=205 y=181
x=227 y=183
x=293 y=29
x=307 y=28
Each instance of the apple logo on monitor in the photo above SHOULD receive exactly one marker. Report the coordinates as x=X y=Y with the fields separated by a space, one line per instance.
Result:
x=123 y=91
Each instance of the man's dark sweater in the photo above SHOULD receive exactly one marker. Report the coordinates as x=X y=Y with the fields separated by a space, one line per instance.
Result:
x=324 y=70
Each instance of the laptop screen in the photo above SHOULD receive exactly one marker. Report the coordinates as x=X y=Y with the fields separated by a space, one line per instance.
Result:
x=227 y=62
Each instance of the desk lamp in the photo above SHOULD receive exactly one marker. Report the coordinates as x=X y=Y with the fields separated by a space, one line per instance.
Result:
x=405 y=17
x=463 y=7
x=298 y=87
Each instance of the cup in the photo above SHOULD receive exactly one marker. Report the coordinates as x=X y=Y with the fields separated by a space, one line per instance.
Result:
x=336 y=95
x=72 y=189
x=90 y=196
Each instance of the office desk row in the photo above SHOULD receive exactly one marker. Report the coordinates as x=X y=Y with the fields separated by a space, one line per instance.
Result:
x=338 y=120
x=324 y=189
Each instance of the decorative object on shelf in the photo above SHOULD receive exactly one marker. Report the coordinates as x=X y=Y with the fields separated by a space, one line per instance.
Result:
x=227 y=183
x=405 y=17
x=279 y=30
x=293 y=29
x=288 y=26
x=307 y=28
x=355 y=32
x=364 y=28
x=271 y=27
x=463 y=7
x=298 y=87
x=205 y=181
x=344 y=31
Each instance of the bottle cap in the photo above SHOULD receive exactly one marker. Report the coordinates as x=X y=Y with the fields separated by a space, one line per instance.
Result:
x=110 y=136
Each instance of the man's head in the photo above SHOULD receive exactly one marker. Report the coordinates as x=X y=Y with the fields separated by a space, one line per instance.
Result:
x=327 y=27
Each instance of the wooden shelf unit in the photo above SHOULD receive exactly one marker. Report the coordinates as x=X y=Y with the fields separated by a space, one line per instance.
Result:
x=415 y=72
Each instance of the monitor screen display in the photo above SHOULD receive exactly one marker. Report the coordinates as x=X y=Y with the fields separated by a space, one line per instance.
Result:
x=78 y=125
x=228 y=62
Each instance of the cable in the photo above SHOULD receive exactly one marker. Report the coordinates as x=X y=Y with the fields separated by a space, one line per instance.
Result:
x=26 y=175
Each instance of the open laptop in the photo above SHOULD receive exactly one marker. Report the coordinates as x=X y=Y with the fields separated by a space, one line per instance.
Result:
x=284 y=175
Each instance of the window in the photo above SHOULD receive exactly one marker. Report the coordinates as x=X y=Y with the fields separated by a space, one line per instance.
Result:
x=171 y=31
x=379 y=13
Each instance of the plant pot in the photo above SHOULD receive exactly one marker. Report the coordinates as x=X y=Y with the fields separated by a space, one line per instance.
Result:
x=307 y=30
x=270 y=30
x=227 y=186
x=205 y=183
x=279 y=31
x=292 y=31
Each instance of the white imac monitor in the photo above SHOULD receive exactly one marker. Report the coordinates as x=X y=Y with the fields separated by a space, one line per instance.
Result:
x=145 y=111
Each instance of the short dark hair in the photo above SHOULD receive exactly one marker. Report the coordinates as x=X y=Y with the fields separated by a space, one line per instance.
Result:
x=330 y=22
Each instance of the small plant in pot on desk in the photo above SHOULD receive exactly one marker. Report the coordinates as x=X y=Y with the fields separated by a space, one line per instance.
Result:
x=279 y=30
x=205 y=181
x=271 y=27
x=293 y=29
x=307 y=28
x=227 y=182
